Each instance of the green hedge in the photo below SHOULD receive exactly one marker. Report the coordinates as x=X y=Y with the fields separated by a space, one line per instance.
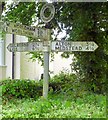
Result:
x=63 y=83
x=21 y=88
x=66 y=83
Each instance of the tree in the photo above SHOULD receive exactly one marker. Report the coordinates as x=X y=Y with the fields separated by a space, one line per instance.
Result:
x=82 y=22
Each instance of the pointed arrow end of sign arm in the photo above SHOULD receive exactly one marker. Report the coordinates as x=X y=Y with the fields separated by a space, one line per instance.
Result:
x=95 y=46
x=9 y=48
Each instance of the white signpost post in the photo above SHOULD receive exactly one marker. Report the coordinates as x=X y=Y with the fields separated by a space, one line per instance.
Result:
x=45 y=45
x=46 y=19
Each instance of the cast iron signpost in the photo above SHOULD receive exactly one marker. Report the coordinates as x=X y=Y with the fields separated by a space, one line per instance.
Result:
x=25 y=47
x=67 y=46
x=29 y=31
x=46 y=19
x=45 y=45
x=54 y=46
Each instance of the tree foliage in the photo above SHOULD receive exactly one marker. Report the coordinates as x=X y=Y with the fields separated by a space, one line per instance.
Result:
x=82 y=22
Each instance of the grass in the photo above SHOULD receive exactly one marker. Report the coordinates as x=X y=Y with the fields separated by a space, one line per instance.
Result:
x=57 y=106
x=68 y=98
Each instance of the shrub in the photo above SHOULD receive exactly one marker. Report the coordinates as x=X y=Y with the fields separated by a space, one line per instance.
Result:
x=21 y=88
x=67 y=84
x=64 y=83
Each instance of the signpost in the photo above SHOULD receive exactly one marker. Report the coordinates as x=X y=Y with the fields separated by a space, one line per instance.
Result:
x=46 y=48
x=44 y=9
x=29 y=31
x=45 y=45
x=68 y=46
x=54 y=46
x=25 y=47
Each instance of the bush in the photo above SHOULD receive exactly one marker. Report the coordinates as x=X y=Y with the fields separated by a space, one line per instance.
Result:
x=21 y=88
x=64 y=83
x=67 y=84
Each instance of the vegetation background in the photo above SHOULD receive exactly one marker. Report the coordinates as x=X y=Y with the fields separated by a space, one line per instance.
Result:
x=86 y=21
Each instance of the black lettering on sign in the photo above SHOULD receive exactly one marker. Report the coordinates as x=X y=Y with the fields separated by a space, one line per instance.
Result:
x=66 y=46
x=63 y=47
x=80 y=48
x=40 y=33
x=87 y=46
x=33 y=29
x=72 y=47
x=13 y=48
x=57 y=46
x=92 y=46
x=69 y=44
x=69 y=48
x=27 y=28
x=76 y=48
x=35 y=46
x=22 y=44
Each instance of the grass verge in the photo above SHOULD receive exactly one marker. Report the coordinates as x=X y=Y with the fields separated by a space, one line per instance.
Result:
x=57 y=106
